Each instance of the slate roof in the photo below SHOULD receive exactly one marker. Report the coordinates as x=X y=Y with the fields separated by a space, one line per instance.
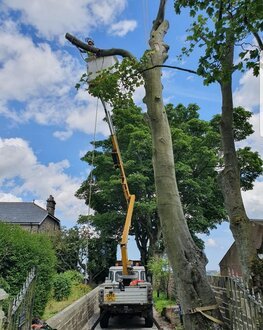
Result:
x=23 y=213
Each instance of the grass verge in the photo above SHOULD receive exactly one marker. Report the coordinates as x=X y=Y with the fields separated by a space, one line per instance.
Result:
x=162 y=301
x=53 y=306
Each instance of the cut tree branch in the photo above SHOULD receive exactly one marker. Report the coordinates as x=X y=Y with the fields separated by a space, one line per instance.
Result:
x=160 y=16
x=97 y=51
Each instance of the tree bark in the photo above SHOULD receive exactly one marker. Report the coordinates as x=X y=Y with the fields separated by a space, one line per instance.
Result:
x=230 y=176
x=187 y=261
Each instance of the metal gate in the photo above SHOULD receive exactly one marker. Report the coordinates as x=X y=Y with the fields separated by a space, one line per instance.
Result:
x=21 y=308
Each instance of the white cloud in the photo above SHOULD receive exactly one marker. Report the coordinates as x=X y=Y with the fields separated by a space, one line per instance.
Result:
x=123 y=27
x=83 y=118
x=190 y=78
x=6 y=197
x=138 y=96
x=55 y=18
x=30 y=70
x=36 y=179
x=247 y=94
x=253 y=201
x=211 y=243
x=255 y=140
x=62 y=135
x=41 y=81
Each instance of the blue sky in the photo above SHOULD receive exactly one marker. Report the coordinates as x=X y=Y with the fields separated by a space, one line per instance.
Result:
x=46 y=125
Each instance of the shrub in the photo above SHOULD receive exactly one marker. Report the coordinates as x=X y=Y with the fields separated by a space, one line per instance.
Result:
x=61 y=286
x=74 y=276
x=20 y=251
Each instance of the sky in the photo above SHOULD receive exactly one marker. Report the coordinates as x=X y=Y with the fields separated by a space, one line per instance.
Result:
x=46 y=125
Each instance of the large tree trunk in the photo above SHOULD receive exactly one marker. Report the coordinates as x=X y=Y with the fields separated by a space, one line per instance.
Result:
x=187 y=261
x=230 y=176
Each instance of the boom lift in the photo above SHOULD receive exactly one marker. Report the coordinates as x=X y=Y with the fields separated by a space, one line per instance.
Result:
x=125 y=290
x=130 y=199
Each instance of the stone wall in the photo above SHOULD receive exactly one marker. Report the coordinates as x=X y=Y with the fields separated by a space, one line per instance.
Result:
x=75 y=316
x=47 y=226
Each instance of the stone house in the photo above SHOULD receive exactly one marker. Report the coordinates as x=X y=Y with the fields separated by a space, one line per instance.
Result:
x=230 y=264
x=31 y=216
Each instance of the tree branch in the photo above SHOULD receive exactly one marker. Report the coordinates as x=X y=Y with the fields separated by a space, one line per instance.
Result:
x=259 y=41
x=160 y=15
x=99 y=52
x=255 y=33
x=168 y=66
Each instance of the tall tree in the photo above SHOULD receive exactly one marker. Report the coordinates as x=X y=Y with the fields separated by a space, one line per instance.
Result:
x=219 y=25
x=187 y=260
x=196 y=145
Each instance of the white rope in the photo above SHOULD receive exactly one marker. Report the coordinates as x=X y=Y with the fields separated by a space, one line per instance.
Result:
x=91 y=181
x=93 y=154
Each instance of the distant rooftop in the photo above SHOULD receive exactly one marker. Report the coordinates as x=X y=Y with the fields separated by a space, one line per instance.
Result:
x=23 y=212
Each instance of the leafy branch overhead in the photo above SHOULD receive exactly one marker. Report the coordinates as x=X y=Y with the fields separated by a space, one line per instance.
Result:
x=115 y=84
x=216 y=24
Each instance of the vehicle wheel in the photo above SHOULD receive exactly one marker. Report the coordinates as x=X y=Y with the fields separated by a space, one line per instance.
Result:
x=149 y=319
x=104 y=322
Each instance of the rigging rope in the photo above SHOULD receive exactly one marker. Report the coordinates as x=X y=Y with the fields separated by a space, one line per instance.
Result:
x=91 y=181
x=93 y=154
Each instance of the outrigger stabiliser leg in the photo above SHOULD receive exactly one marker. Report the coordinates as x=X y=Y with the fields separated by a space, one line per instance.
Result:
x=98 y=320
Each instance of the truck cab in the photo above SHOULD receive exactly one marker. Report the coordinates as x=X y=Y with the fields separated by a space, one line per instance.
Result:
x=115 y=274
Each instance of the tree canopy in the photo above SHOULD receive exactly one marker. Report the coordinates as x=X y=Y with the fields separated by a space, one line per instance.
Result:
x=221 y=28
x=196 y=146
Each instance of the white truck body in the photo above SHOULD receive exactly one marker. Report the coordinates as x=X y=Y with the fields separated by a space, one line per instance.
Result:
x=132 y=299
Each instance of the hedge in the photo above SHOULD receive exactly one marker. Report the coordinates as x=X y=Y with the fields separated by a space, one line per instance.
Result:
x=19 y=252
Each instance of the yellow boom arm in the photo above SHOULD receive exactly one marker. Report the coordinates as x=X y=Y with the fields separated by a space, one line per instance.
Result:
x=130 y=199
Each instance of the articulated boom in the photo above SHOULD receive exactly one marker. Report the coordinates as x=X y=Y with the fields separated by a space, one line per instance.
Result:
x=130 y=199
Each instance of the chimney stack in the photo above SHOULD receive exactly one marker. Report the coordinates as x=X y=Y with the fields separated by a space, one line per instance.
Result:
x=51 y=205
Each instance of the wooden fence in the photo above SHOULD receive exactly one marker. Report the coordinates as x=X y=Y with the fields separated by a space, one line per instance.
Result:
x=240 y=308
x=20 y=310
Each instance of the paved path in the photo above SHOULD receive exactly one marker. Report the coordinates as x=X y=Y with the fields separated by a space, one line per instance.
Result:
x=126 y=323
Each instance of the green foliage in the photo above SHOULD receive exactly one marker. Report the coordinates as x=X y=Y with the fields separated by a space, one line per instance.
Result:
x=161 y=302
x=250 y=163
x=241 y=125
x=116 y=84
x=74 y=276
x=53 y=306
x=160 y=270
x=61 y=286
x=251 y=167
x=102 y=255
x=4 y=285
x=19 y=252
x=217 y=25
x=197 y=152
x=68 y=244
